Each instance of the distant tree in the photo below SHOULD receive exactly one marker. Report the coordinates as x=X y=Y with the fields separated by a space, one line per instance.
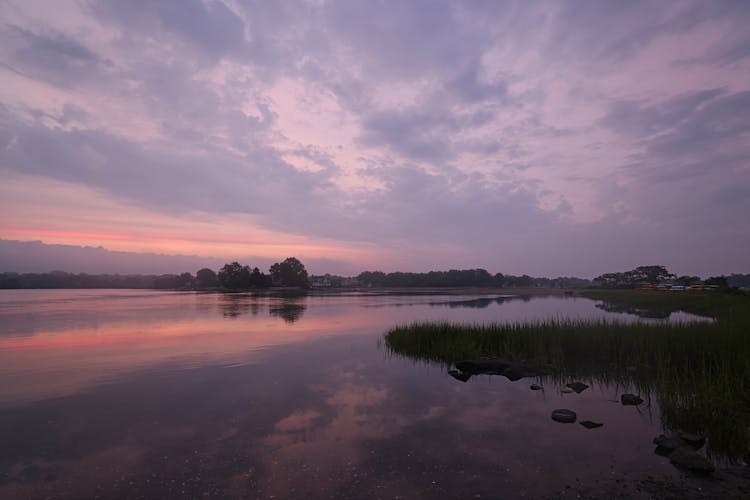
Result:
x=650 y=274
x=258 y=279
x=739 y=280
x=291 y=272
x=167 y=282
x=372 y=278
x=206 y=278
x=8 y=281
x=720 y=281
x=185 y=280
x=687 y=280
x=234 y=276
x=634 y=277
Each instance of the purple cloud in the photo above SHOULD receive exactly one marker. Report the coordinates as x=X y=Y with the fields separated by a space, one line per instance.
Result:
x=515 y=136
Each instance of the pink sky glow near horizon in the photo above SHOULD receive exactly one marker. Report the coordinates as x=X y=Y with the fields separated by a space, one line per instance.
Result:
x=570 y=138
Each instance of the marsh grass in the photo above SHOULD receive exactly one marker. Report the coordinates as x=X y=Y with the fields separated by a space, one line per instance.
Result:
x=699 y=373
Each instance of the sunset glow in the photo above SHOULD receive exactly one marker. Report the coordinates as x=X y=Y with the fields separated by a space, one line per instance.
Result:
x=516 y=137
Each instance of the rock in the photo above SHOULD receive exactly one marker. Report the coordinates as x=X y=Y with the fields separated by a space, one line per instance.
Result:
x=564 y=416
x=630 y=399
x=666 y=445
x=691 y=460
x=462 y=376
x=566 y=391
x=590 y=425
x=693 y=440
x=536 y=387
x=578 y=387
x=510 y=369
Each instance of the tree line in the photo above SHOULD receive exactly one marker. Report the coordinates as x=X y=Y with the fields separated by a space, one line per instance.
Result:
x=464 y=278
x=292 y=273
x=655 y=275
x=232 y=276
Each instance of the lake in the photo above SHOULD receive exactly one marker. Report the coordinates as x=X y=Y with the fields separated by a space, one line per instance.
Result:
x=141 y=394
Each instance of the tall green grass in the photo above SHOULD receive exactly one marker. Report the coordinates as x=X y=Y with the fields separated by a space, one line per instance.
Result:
x=699 y=373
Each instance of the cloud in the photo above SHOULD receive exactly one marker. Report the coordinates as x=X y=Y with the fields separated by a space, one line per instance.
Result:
x=212 y=27
x=463 y=133
x=55 y=57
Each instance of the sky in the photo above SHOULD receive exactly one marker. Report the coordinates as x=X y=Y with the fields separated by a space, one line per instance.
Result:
x=546 y=138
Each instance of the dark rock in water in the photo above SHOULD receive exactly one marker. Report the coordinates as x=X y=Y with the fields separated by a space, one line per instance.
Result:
x=462 y=376
x=590 y=425
x=691 y=460
x=662 y=451
x=630 y=399
x=578 y=387
x=694 y=440
x=564 y=416
x=668 y=444
x=536 y=387
x=566 y=391
x=510 y=369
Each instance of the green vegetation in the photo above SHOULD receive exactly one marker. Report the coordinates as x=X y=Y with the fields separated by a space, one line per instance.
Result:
x=463 y=278
x=699 y=373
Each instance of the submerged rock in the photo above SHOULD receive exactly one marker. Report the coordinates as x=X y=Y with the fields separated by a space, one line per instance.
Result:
x=462 y=376
x=590 y=425
x=681 y=451
x=693 y=440
x=691 y=460
x=564 y=416
x=566 y=391
x=668 y=444
x=631 y=399
x=510 y=369
x=536 y=387
x=578 y=387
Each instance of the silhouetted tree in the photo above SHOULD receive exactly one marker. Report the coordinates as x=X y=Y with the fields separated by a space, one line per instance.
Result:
x=634 y=277
x=206 y=278
x=234 y=276
x=258 y=279
x=291 y=272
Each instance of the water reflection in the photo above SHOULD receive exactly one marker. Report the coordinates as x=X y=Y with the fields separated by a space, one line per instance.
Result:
x=654 y=311
x=289 y=311
x=334 y=420
x=192 y=395
x=233 y=306
x=480 y=303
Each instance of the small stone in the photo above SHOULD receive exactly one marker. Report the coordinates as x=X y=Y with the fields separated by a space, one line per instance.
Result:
x=578 y=387
x=590 y=425
x=536 y=387
x=564 y=416
x=668 y=443
x=693 y=440
x=459 y=375
x=566 y=391
x=631 y=399
x=691 y=460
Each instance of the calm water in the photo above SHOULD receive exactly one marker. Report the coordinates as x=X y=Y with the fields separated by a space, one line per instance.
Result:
x=147 y=394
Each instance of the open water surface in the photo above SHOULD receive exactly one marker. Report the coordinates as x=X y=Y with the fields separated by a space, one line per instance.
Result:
x=141 y=394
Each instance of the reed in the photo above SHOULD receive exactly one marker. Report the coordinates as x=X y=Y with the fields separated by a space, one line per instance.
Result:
x=699 y=373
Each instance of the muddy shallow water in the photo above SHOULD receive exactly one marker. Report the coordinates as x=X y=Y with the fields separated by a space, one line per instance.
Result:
x=150 y=394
